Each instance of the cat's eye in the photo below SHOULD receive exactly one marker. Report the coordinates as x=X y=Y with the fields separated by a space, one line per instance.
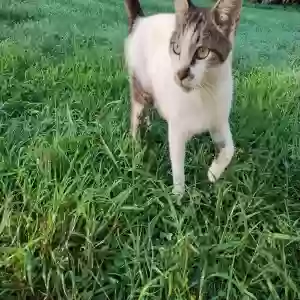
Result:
x=176 y=48
x=202 y=52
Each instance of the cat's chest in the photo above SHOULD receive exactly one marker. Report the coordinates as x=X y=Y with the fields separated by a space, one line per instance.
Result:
x=194 y=112
x=197 y=110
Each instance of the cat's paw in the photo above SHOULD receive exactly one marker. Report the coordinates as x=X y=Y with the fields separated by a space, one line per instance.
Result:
x=178 y=191
x=147 y=121
x=214 y=172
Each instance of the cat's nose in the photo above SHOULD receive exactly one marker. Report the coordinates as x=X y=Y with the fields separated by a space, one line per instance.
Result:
x=183 y=73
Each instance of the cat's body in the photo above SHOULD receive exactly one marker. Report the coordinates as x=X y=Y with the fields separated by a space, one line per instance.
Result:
x=195 y=111
x=192 y=97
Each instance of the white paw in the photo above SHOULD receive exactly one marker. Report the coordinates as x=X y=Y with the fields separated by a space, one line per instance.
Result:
x=214 y=172
x=148 y=122
x=178 y=190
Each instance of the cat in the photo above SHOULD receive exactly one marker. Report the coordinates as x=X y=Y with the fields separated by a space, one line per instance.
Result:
x=181 y=63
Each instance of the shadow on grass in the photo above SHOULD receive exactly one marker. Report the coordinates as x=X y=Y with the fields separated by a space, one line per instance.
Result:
x=15 y=16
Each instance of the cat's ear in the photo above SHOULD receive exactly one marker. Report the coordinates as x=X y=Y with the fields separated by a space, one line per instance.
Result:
x=182 y=6
x=226 y=14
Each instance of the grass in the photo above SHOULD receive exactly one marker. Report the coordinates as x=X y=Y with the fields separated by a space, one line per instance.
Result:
x=87 y=215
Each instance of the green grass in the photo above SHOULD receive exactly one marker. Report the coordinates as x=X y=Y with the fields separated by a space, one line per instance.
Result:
x=85 y=214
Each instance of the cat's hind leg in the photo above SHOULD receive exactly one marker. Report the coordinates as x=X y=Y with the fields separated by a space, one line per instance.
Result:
x=136 y=117
x=139 y=99
x=222 y=137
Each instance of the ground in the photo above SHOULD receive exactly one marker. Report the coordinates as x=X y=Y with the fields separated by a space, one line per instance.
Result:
x=87 y=214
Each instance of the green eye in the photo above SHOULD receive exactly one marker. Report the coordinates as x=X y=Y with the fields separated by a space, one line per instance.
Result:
x=202 y=53
x=176 y=48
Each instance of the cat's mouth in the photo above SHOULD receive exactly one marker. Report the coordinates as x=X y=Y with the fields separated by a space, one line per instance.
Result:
x=186 y=88
x=184 y=84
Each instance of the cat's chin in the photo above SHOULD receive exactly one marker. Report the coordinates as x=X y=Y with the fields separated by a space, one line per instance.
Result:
x=186 y=88
x=183 y=85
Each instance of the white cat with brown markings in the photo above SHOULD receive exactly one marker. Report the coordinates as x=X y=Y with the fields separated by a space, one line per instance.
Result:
x=182 y=62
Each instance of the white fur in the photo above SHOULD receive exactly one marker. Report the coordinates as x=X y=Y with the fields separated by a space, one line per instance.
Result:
x=205 y=108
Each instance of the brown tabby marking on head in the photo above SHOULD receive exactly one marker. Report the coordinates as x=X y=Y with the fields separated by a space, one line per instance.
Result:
x=204 y=33
x=208 y=28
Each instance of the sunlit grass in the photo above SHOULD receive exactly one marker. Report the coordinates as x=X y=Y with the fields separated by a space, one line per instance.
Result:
x=87 y=214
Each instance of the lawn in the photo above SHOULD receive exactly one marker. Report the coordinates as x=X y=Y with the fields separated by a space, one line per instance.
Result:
x=87 y=214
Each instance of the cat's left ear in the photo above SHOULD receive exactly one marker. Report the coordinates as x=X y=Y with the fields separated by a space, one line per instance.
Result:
x=226 y=14
x=182 y=6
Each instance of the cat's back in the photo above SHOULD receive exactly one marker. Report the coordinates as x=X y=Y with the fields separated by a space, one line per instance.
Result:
x=152 y=30
x=150 y=35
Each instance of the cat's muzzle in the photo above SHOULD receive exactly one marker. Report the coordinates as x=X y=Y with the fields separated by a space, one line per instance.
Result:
x=185 y=83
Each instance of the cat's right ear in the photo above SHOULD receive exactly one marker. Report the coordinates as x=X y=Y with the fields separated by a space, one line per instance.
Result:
x=182 y=6
x=226 y=15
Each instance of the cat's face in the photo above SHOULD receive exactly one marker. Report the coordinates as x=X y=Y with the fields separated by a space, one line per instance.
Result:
x=201 y=40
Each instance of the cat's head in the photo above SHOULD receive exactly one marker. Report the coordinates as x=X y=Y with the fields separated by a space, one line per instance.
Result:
x=202 y=39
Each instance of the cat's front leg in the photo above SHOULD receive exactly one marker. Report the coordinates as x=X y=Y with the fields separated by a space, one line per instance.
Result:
x=222 y=137
x=177 y=142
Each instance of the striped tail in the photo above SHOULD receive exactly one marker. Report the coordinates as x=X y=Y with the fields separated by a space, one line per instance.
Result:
x=134 y=11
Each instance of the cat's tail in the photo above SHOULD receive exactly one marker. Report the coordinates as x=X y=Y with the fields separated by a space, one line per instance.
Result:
x=134 y=11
